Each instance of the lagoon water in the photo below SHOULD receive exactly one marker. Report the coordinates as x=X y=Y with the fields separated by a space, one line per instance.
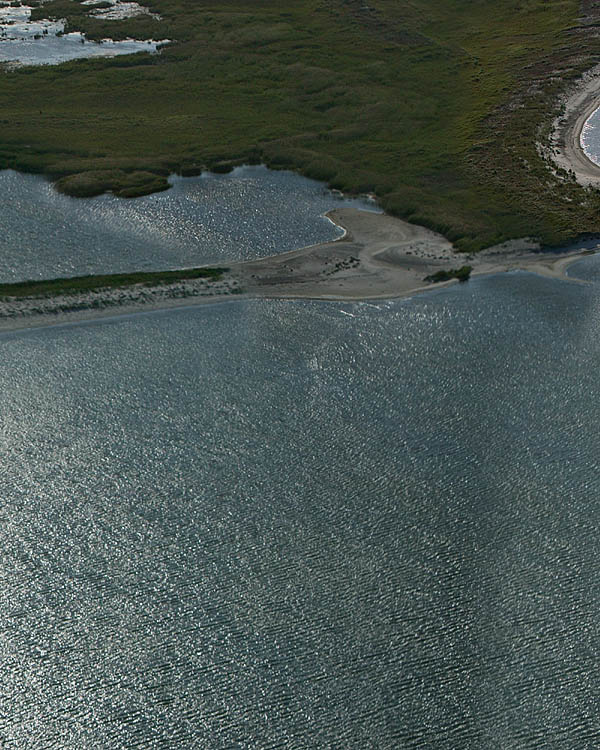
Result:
x=590 y=137
x=292 y=524
x=26 y=42
x=306 y=525
x=208 y=219
x=53 y=50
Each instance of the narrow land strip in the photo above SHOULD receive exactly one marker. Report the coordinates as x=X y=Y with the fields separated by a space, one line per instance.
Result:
x=378 y=257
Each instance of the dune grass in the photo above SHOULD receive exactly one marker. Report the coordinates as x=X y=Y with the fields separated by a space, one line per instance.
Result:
x=434 y=105
x=77 y=284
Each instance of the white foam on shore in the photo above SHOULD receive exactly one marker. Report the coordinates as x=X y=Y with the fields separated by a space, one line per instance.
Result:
x=589 y=138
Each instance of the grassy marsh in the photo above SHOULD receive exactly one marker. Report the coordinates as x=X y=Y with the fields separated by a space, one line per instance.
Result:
x=433 y=105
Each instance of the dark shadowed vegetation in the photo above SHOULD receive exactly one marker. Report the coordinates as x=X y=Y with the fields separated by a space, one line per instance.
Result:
x=462 y=274
x=76 y=284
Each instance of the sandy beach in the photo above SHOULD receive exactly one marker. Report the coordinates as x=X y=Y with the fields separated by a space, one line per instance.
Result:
x=378 y=257
x=382 y=257
x=565 y=146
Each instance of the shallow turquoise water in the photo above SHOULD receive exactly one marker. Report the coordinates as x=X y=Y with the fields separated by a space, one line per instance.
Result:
x=209 y=219
x=270 y=524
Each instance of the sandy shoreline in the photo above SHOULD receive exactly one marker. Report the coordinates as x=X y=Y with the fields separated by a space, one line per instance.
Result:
x=378 y=257
x=565 y=147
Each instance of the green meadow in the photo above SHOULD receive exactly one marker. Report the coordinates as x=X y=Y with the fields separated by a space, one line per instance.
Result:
x=434 y=105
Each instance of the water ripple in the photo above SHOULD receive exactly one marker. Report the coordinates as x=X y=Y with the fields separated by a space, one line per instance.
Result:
x=273 y=525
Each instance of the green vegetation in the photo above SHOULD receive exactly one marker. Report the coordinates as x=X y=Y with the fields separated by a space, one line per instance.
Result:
x=77 y=284
x=435 y=105
x=124 y=184
x=462 y=274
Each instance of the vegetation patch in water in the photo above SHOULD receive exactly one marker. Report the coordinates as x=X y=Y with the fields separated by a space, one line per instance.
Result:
x=121 y=183
x=462 y=274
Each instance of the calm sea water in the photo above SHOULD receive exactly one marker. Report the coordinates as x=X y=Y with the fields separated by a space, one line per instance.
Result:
x=590 y=137
x=209 y=219
x=302 y=525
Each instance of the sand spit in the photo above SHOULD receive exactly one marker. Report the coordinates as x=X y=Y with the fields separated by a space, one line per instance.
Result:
x=382 y=257
x=565 y=150
x=379 y=257
x=28 y=312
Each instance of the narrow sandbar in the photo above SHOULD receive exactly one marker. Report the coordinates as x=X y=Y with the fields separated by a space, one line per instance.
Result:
x=379 y=257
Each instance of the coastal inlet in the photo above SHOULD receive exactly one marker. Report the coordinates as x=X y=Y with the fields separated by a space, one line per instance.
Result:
x=210 y=219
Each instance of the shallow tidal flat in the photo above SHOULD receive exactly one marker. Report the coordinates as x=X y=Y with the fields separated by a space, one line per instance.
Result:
x=25 y=42
x=247 y=214
x=394 y=545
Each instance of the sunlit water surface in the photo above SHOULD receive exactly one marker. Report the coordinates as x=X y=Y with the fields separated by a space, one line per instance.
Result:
x=590 y=137
x=43 y=42
x=303 y=525
x=208 y=219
